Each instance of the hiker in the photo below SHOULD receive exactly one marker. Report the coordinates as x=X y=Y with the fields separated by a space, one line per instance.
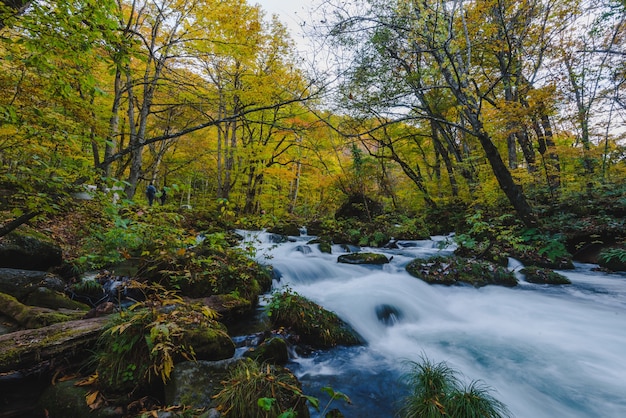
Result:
x=151 y=193
x=163 y=196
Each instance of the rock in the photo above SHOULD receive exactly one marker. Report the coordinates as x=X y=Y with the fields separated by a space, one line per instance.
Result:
x=613 y=258
x=363 y=258
x=47 y=298
x=458 y=270
x=65 y=399
x=194 y=383
x=19 y=283
x=286 y=229
x=544 y=276
x=273 y=350
x=34 y=317
x=311 y=323
x=20 y=251
x=209 y=343
x=304 y=249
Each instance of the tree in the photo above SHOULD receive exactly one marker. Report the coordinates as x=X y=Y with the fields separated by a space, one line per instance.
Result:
x=411 y=48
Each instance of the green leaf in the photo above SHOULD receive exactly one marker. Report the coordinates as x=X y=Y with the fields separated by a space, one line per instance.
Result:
x=266 y=403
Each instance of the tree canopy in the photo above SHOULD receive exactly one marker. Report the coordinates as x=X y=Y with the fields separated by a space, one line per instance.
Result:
x=424 y=103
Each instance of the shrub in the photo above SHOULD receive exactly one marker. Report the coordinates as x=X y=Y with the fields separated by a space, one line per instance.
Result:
x=437 y=392
x=613 y=259
x=144 y=342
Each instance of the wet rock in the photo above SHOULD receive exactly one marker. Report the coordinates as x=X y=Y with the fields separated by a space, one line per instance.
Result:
x=65 y=399
x=388 y=314
x=304 y=249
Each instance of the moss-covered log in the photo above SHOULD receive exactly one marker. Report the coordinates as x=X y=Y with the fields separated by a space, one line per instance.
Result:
x=38 y=348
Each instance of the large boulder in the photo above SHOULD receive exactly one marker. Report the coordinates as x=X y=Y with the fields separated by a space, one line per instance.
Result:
x=363 y=258
x=310 y=323
x=458 y=270
x=195 y=383
x=39 y=349
x=540 y=275
x=67 y=399
x=20 y=251
x=20 y=283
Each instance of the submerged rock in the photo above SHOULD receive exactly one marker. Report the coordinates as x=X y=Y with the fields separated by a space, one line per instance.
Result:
x=388 y=314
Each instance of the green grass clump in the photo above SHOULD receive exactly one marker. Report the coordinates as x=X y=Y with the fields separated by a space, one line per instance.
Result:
x=437 y=392
x=254 y=390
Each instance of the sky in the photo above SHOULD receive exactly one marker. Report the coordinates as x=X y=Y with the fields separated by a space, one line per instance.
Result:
x=292 y=13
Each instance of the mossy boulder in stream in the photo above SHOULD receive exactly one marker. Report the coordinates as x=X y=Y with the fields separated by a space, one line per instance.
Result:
x=363 y=258
x=544 y=276
x=312 y=324
x=458 y=270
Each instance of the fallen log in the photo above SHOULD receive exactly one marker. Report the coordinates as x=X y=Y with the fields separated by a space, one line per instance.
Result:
x=39 y=349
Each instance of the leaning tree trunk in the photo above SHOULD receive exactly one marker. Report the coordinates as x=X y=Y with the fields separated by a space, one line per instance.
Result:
x=512 y=190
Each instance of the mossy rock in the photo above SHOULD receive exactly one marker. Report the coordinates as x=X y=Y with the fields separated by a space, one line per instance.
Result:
x=312 y=324
x=195 y=383
x=544 y=276
x=48 y=298
x=208 y=343
x=34 y=317
x=273 y=350
x=458 y=270
x=363 y=258
x=66 y=399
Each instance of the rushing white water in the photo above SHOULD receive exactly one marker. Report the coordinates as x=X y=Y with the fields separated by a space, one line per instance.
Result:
x=547 y=351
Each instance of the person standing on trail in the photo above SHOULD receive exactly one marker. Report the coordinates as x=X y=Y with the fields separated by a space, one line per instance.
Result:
x=163 y=196
x=151 y=193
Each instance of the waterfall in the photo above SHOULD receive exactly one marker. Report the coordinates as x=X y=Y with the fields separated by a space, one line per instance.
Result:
x=545 y=350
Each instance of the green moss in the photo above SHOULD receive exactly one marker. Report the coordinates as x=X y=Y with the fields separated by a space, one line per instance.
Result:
x=544 y=276
x=458 y=270
x=363 y=258
x=312 y=323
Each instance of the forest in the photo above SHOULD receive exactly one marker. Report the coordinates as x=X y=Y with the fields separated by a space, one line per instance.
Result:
x=501 y=122
x=418 y=105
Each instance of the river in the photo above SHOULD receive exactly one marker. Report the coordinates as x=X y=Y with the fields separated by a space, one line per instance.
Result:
x=546 y=351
